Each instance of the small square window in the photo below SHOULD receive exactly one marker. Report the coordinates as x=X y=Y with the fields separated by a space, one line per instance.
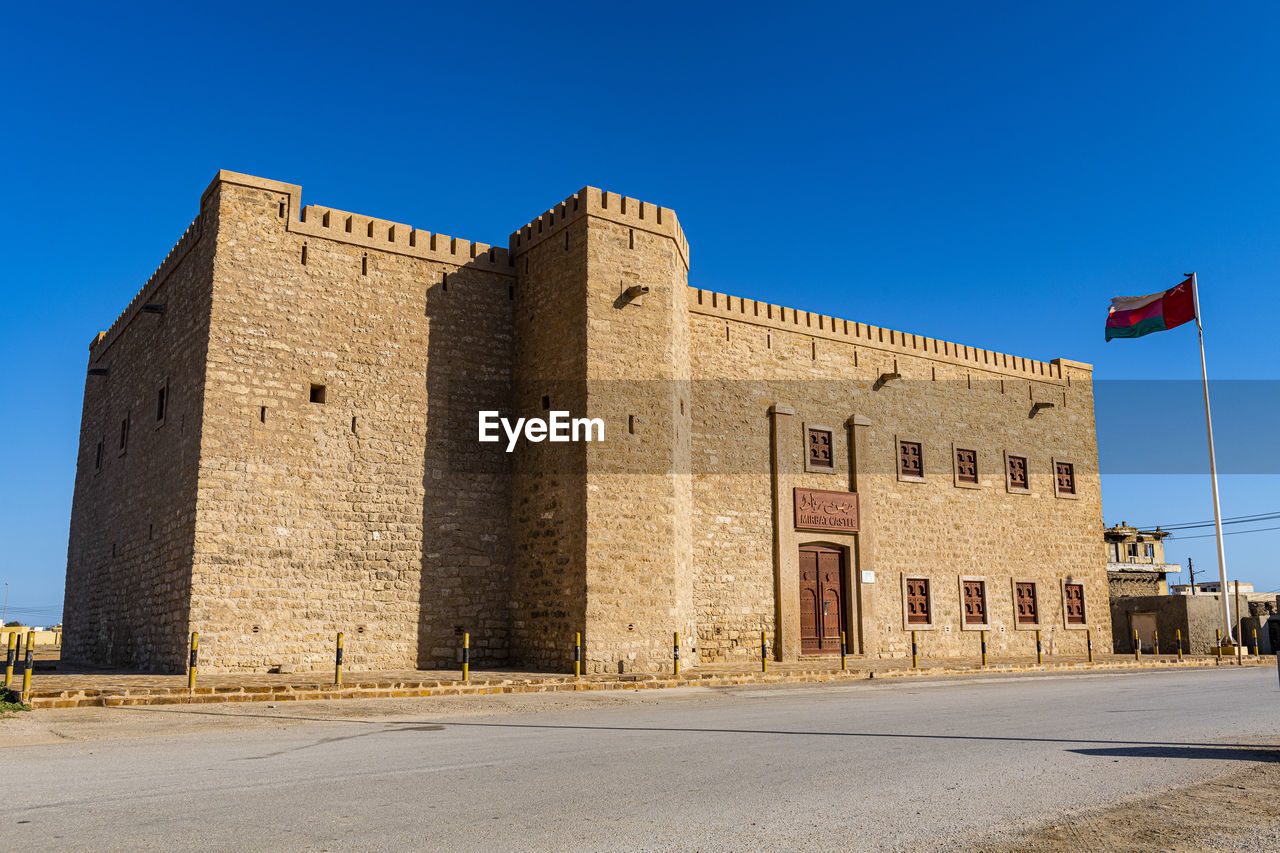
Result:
x=1073 y=595
x=910 y=460
x=317 y=393
x=966 y=466
x=819 y=448
x=1018 y=480
x=1064 y=478
x=975 y=602
x=918 y=601
x=1025 y=602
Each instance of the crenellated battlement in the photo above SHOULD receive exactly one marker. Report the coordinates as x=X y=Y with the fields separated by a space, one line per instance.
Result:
x=590 y=201
x=179 y=251
x=387 y=236
x=713 y=304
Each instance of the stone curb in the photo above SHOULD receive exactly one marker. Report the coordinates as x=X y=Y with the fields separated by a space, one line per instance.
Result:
x=118 y=697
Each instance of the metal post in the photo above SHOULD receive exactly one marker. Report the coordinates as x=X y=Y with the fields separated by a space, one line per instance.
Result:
x=1255 y=642
x=577 y=655
x=1088 y=639
x=1239 y=628
x=1217 y=634
x=30 y=665
x=191 y=670
x=675 y=650
x=466 y=656
x=844 y=652
x=11 y=659
x=1155 y=639
x=1137 y=647
x=764 y=652
x=21 y=641
x=915 y=652
x=1178 y=635
x=1039 y=648
x=1213 y=469
x=983 y=635
x=337 y=662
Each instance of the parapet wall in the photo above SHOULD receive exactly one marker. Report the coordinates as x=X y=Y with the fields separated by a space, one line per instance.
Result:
x=602 y=204
x=185 y=244
x=735 y=308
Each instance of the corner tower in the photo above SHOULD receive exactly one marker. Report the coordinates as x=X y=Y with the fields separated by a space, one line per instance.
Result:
x=601 y=531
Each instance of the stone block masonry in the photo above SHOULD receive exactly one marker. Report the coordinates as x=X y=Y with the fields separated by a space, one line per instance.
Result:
x=315 y=378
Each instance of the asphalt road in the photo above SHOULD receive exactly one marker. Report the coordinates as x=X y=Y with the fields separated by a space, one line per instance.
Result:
x=891 y=765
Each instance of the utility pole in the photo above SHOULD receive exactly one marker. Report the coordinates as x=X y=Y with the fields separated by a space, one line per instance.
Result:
x=1191 y=572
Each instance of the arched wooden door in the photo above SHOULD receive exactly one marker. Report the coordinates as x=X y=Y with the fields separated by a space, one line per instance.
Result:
x=821 y=599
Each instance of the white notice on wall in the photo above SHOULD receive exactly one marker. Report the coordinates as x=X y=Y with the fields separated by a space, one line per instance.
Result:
x=868 y=576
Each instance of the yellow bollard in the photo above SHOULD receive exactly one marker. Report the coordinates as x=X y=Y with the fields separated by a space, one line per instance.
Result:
x=337 y=662
x=1088 y=640
x=983 y=636
x=1155 y=639
x=915 y=652
x=1177 y=634
x=1137 y=648
x=12 y=659
x=1039 y=648
x=466 y=656
x=26 y=670
x=577 y=655
x=1255 y=642
x=764 y=652
x=191 y=670
x=676 y=652
x=844 y=653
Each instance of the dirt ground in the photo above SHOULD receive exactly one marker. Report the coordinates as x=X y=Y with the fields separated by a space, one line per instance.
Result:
x=1236 y=812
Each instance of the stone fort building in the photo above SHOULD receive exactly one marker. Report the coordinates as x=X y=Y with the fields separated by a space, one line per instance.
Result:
x=279 y=442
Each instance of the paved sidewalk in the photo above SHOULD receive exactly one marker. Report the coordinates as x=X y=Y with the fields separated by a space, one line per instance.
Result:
x=71 y=687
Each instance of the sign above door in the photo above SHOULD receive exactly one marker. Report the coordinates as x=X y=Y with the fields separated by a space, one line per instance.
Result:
x=816 y=509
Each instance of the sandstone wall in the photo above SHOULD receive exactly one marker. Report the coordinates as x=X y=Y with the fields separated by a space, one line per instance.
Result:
x=130 y=547
x=827 y=371
x=374 y=512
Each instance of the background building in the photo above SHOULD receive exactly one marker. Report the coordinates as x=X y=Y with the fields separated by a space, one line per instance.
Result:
x=1135 y=561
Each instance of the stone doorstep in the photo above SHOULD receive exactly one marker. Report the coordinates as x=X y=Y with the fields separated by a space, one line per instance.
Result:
x=116 y=697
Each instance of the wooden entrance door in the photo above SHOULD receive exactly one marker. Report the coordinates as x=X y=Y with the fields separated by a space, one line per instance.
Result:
x=821 y=599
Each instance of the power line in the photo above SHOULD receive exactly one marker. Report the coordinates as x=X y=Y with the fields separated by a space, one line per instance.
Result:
x=1236 y=519
x=1228 y=533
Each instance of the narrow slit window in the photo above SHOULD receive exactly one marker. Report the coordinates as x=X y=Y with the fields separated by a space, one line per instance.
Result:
x=97 y=460
x=364 y=265
x=162 y=400
x=124 y=434
x=304 y=254
x=262 y=414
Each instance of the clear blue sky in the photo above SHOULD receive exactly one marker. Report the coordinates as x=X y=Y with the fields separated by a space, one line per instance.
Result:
x=988 y=173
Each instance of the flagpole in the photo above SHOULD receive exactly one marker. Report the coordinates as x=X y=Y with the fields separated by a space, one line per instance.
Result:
x=1213 y=469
